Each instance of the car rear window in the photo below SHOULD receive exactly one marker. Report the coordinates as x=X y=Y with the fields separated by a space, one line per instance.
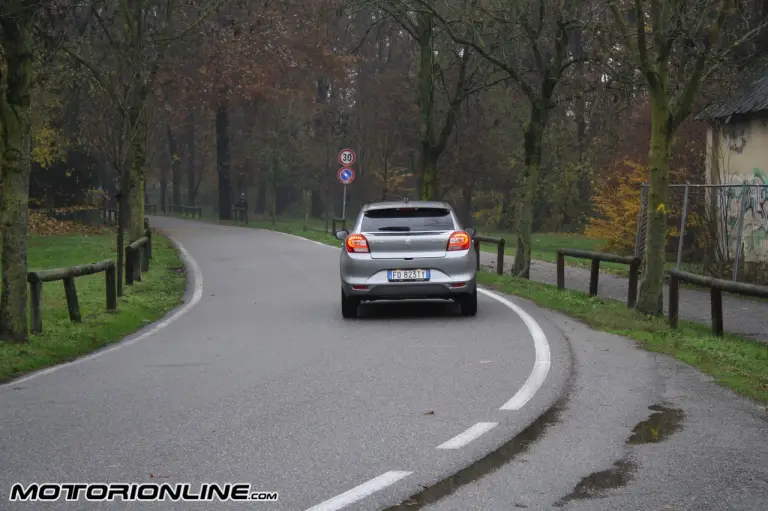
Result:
x=407 y=219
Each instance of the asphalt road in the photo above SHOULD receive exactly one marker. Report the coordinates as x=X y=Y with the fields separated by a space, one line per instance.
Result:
x=260 y=380
x=638 y=432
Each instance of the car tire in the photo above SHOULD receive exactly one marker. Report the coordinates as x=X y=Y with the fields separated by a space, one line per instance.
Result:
x=348 y=306
x=468 y=304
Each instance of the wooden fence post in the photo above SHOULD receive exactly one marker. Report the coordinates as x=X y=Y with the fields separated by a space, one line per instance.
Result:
x=72 y=304
x=560 y=270
x=137 y=264
x=594 y=275
x=148 y=234
x=717 y=311
x=674 y=300
x=634 y=268
x=500 y=257
x=145 y=258
x=35 y=303
x=477 y=254
x=129 y=273
x=110 y=276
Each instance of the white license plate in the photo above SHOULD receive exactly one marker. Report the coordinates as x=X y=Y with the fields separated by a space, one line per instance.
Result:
x=407 y=275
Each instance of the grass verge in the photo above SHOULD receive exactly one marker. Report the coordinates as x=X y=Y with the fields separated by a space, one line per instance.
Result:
x=160 y=290
x=734 y=362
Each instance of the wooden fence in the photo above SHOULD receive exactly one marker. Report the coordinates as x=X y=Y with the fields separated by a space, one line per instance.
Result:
x=632 y=261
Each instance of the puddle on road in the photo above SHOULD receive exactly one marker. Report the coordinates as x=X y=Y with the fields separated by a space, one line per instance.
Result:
x=518 y=445
x=597 y=483
x=660 y=425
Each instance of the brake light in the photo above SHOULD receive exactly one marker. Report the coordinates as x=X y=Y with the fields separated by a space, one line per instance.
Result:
x=357 y=243
x=459 y=240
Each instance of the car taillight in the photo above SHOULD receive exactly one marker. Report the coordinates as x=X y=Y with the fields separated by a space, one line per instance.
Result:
x=459 y=240
x=357 y=243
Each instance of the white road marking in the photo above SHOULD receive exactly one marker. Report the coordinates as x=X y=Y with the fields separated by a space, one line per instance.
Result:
x=360 y=492
x=472 y=433
x=197 y=294
x=542 y=362
x=302 y=238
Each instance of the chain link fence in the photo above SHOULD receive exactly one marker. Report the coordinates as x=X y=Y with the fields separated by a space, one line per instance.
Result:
x=716 y=230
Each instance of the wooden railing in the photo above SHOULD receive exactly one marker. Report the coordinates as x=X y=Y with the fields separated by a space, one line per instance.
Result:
x=337 y=222
x=632 y=261
x=137 y=257
x=68 y=275
x=716 y=288
x=499 y=242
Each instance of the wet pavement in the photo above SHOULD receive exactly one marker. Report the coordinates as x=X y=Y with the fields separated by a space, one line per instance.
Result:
x=744 y=316
x=637 y=431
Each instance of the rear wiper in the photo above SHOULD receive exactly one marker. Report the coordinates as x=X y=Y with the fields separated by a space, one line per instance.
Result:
x=399 y=228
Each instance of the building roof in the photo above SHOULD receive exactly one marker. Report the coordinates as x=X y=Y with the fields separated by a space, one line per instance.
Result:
x=750 y=97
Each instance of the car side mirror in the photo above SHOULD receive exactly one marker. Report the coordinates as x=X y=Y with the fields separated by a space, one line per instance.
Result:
x=471 y=231
x=342 y=235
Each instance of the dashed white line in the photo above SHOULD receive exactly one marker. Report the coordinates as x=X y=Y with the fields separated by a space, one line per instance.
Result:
x=197 y=294
x=472 y=433
x=360 y=492
x=542 y=362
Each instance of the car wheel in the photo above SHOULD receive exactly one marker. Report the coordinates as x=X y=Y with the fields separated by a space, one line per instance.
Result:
x=469 y=304
x=348 y=306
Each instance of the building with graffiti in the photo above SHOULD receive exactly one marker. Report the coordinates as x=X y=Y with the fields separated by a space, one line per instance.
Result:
x=737 y=169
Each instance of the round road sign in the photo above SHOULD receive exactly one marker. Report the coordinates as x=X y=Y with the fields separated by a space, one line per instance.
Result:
x=347 y=157
x=346 y=175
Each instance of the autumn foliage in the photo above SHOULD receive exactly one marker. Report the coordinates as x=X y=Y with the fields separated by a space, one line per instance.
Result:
x=618 y=185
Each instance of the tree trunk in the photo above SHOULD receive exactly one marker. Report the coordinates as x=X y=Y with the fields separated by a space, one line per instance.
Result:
x=261 y=197
x=191 y=181
x=136 y=178
x=426 y=90
x=384 y=189
x=15 y=131
x=650 y=300
x=467 y=192
x=175 y=169
x=222 y=161
x=428 y=175
x=533 y=137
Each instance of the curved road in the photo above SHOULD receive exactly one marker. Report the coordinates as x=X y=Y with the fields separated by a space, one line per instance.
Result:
x=258 y=379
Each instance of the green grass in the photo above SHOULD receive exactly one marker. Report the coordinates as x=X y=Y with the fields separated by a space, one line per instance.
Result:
x=737 y=363
x=61 y=340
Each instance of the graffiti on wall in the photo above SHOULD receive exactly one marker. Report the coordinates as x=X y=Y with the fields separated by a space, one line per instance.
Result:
x=755 y=211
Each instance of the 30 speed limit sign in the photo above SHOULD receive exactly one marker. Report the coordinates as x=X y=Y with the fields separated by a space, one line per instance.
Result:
x=347 y=157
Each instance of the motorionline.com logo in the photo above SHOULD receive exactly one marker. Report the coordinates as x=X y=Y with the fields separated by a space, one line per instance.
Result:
x=138 y=492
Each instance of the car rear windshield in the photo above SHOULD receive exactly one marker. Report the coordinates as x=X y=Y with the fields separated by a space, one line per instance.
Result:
x=407 y=219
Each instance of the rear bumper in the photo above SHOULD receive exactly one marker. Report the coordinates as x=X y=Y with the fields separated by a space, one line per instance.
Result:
x=366 y=278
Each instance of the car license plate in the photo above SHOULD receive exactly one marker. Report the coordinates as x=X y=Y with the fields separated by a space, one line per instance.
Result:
x=407 y=275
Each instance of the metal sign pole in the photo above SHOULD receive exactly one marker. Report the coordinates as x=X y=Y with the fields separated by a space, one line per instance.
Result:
x=344 y=205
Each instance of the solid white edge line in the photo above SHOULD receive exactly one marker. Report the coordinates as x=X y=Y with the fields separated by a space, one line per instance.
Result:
x=542 y=361
x=360 y=492
x=470 y=434
x=197 y=294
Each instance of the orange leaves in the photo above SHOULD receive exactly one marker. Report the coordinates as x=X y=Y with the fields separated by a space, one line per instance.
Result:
x=616 y=201
x=41 y=224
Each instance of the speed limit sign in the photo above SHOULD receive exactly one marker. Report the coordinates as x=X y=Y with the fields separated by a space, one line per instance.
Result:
x=347 y=157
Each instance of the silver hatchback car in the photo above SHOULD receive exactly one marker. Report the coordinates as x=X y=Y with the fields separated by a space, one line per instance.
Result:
x=407 y=250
